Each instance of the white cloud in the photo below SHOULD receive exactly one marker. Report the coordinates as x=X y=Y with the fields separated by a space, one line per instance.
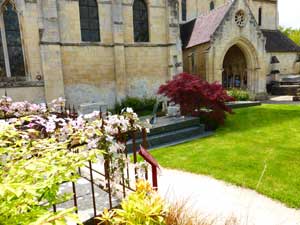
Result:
x=289 y=13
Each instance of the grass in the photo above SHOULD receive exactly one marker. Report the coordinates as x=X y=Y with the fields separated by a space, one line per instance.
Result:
x=254 y=139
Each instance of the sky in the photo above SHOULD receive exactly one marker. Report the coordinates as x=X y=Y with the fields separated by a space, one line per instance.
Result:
x=289 y=13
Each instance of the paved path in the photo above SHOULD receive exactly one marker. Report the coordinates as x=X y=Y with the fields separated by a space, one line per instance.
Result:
x=285 y=99
x=216 y=199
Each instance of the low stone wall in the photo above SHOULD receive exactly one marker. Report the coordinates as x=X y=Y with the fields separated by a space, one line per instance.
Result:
x=34 y=94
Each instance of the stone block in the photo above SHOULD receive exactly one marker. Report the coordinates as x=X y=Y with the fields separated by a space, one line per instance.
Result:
x=174 y=110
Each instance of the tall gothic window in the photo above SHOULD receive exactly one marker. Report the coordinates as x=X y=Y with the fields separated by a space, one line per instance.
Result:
x=260 y=16
x=140 y=21
x=183 y=10
x=89 y=20
x=11 y=51
x=212 y=5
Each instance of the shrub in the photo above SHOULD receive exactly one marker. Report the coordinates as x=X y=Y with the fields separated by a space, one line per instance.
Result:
x=144 y=207
x=197 y=97
x=36 y=135
x=141 y=106
x=239 y=95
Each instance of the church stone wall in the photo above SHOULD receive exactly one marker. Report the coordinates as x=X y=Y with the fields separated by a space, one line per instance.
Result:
x=196 y=8
x=116 y=67
x=33 y=94
x=99 y=72
x=88 y=74
x=200 y=54
x=287 y=65
x=269 y=13
x=146 y=70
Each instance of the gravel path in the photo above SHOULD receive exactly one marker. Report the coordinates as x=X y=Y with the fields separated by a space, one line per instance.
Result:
x=218 y=200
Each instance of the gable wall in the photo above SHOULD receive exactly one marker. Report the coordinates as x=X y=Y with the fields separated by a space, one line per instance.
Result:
x=251 y=40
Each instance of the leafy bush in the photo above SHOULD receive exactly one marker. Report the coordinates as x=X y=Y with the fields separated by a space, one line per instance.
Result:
x=144 y=207
x=41 y=148
x=197 y=97
x=239 y=95
x=141 y=106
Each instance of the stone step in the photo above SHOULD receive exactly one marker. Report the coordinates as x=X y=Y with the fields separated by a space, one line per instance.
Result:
x=165 y=138
x=180 y=124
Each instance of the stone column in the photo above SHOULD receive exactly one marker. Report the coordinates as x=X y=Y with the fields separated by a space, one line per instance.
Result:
x=119 y=50
x=51 y=51
x=30 y=37
x=175 y=61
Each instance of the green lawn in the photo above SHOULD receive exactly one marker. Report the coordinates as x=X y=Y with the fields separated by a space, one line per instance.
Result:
x=238 y=152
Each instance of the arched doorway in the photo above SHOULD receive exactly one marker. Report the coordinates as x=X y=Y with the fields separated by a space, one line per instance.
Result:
x=235 y=69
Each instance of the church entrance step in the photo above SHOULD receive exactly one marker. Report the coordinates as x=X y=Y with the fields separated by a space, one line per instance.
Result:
x=168 y=131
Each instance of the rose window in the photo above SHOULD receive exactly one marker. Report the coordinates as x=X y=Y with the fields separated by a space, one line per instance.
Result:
x=240 y=18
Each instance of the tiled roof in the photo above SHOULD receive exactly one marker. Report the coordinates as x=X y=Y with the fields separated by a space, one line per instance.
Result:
x=200 y=30
x=278 y=42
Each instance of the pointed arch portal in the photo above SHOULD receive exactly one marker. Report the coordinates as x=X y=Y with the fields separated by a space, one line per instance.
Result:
x=240 y=66
x=234 y=69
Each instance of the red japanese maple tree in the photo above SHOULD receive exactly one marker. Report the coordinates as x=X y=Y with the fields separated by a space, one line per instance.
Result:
x=197 y=97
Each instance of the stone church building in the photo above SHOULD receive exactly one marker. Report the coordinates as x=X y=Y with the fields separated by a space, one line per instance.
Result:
x=100 y=51
x=236 y=43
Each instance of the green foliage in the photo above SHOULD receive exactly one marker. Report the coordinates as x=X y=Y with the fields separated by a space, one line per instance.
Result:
x=293 y=34
x=141 y=106
x=239 y=95
x=143 y=207
x=31 y=171
x=40 y=150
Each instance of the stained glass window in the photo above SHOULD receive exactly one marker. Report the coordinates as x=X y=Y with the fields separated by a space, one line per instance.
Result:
x=13 y=40
x=89 y=20
x=140 y=21
x=183 y=10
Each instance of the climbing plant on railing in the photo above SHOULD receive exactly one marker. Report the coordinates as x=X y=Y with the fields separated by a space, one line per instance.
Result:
x=42 y=147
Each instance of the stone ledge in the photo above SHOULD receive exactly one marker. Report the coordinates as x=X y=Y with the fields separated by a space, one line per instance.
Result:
x=14 y=84
x=88 y=44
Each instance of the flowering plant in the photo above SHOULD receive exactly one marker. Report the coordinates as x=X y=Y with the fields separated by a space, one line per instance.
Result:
x=40 y=149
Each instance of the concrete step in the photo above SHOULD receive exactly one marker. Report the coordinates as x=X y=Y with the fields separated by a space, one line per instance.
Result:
x=174 y=126
x=165 y=124
x=168 y=137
